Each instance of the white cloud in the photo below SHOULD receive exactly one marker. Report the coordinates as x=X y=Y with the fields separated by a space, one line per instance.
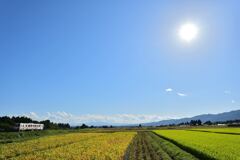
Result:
x=181 y=94
x=169 y=90
x=33 y=115
x=233 y=101
x=227 y=92
x=178 y=93
x=65 y=117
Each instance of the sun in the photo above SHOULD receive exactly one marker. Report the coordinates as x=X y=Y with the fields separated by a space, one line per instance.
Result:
x=188 y=32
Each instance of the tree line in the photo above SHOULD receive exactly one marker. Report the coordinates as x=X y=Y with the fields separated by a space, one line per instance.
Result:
x=199 y=123
x=11 y=123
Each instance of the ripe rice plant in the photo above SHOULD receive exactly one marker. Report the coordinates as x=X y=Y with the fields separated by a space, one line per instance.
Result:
x=15 y=149
x=71 y=146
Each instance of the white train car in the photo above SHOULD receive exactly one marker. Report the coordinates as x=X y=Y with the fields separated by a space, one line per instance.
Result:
x=30 y=126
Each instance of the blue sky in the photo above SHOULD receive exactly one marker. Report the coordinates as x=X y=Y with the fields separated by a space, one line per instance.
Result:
x=115 y=58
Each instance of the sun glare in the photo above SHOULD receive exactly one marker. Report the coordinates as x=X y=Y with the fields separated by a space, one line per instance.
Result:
x=188 y=32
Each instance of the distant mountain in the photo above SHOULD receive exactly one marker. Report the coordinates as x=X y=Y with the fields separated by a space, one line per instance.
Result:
x=232 y=115
x=99 y=124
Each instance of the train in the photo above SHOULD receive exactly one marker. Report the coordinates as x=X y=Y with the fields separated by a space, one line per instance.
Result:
x=30 y=126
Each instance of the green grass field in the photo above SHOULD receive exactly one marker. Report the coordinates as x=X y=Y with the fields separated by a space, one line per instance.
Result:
x=10 y=137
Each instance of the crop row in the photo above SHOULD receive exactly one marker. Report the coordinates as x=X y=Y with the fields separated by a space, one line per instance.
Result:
x=149 y=146
x=214 y=145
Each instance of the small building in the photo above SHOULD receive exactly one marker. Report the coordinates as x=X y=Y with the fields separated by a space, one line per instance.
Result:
x=30 y=126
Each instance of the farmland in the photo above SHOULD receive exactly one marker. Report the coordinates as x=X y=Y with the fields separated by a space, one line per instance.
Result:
x=70 y=146
x=9 y=137
x=234 y=131
x=125 y=144
x=149 y=146
x=211 y=145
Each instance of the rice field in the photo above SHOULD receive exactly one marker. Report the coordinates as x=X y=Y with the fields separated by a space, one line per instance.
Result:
x=84 y=146
x=166 y=144
x=214 y=145
x=220 y=130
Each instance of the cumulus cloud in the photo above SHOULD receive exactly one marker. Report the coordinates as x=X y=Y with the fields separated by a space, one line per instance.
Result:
x=33 y=115
x=181 y=94
x=65 y=117
x=169 y=90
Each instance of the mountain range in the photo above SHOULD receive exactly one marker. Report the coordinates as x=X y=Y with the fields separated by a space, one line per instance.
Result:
x=232 y=115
